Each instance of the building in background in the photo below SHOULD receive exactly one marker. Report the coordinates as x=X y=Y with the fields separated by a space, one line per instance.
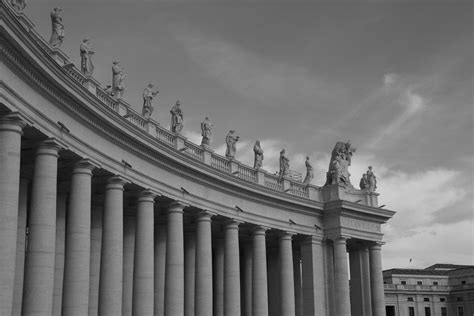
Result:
x=438 y=290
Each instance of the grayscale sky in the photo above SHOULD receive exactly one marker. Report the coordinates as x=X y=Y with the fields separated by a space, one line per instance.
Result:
x=394 y=77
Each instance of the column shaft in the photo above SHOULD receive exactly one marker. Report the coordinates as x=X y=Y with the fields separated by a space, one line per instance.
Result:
x=129 y=228
x=287 y=283
x=96 y=241
x=247 y=286
x=160 y=268
x=231 y=269
x=366 y=280
x=143 y=267
x=20 y=248
x=10 y=149
x=174 y=278
x=111 y=265
x=259 y=274
x=39 y=267
x=78 y=231
x=313 y=277
x=60 y=247
x=189 y=271
x=218 y=277
x=298 y=283
x=376 y=280
x=341 y=278
x=203 y=286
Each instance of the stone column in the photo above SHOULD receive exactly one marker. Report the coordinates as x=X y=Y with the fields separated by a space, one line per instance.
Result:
x=160 y=268
x=61 y=205
x=247 y=286
x=329 y=270
x=174 y=278
x=364 y=250
x=96 y=241
x=341 y=277
x=189 y=271
x=298 y=282
x=11 y=127
x=20 y=248
x=129 y=228
x=231 y=269
x=143 y=267
x=376 y=280
x=359 y=282
x=218 y=277
x=78 y=242
x=287 y=283
x=111 y=263
x=313 y=276
x=39 y=267
x=259 y=273
x=203 y=286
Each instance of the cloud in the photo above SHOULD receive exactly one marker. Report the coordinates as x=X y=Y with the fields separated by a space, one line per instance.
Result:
x=252 y=76
x=390 y=79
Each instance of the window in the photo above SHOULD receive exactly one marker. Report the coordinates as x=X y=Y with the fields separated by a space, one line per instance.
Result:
x=442 y=299
x=410 y=299
x=463 y=282
x=411 y=311
x=459 y=299
x=419 y=283
x=427 y=311
x=435 y=283
x=443 y=311
x=426 y=299
x=460 y=311
x=404 y=282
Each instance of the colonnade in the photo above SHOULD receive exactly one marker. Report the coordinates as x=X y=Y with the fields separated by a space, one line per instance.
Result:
x=176 y=267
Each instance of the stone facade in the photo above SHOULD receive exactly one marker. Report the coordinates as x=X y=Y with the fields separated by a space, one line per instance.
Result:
x=105 y=212
x=441 y=289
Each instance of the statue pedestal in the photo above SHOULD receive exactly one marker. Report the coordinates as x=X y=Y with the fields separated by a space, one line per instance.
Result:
x=151 y=126
x=179 y=141
x=207 y=152
x=234 y=166
x=334 y=192
x=121 y=107
x=261 y=176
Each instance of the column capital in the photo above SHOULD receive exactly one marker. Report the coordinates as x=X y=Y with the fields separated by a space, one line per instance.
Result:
x=260 y=230
x=14 y=122
x=115 y=182
x=204 y=215
x=339 y=239
x=176 y=207
x=50 y=146
x=232 y=223
x=283 y=235
x=85 y=166
x=147 y=195
x=377 y=245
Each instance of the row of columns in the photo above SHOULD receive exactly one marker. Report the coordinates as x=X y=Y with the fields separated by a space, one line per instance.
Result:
x=155 y=290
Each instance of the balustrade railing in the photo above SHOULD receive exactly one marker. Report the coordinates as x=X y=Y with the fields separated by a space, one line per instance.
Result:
x=220 y=163
x=75 y=74
x=247 y=173
x=194 y=151
x=165 y=136
x=273 y=182
x=299 y=189
x=107 y=99
x=135 y=118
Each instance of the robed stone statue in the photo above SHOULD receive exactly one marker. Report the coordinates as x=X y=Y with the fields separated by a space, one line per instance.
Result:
x=284 y=164
x=87 y=67
x=148 y=95
x=57 y=32
x=176 y=118
x=118 y=80
x=341 y=158
x=258 y=155
x=231 y=140
x=309 y=171
x=206 y=132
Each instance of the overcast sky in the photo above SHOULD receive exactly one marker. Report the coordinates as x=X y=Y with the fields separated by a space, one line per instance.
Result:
x=394 y=77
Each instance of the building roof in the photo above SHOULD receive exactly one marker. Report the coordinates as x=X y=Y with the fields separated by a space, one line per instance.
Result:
x=447 y=266
x=436 y=269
